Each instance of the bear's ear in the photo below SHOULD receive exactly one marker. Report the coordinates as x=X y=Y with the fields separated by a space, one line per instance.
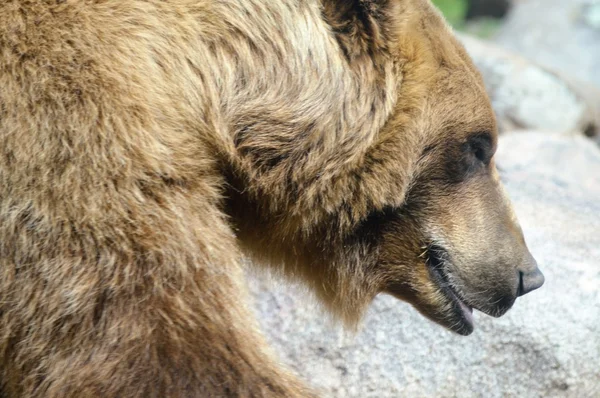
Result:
x=364 y=27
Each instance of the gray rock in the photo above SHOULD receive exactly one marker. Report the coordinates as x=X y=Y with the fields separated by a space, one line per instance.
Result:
x=525 y=95
x=591 y=15
x=563 y=35
x=548 y=345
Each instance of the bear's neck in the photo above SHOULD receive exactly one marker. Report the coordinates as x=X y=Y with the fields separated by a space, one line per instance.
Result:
x=296 y=109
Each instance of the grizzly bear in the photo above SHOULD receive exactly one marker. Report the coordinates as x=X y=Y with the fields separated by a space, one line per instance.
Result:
x=148 y=146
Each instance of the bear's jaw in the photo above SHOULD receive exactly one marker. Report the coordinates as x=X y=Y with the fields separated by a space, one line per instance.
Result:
x=459 y=315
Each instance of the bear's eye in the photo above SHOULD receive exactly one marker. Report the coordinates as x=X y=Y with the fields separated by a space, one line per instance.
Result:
x=469 y=157
x=481 y=146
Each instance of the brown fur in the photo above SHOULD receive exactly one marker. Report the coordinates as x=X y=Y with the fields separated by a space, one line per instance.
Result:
x=145 y=145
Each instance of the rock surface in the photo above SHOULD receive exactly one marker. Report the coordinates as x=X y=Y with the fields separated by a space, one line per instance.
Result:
x=548 y=345
x=563 y=35
x=526 y=95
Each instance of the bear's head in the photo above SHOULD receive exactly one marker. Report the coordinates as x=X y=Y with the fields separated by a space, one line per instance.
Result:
x=416 y=210
x=454 y=243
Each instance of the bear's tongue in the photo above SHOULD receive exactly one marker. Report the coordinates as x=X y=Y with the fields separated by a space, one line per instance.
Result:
x=467 y=312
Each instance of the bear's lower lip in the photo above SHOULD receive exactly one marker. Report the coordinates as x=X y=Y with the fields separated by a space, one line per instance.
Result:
x=465 y=313
x=462 y=320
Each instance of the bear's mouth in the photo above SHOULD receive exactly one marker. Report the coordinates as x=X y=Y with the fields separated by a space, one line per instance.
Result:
x=460 y=317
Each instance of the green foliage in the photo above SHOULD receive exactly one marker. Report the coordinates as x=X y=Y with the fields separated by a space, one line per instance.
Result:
x=454 y=11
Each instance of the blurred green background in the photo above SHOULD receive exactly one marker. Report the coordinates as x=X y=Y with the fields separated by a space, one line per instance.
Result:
x=456 y=12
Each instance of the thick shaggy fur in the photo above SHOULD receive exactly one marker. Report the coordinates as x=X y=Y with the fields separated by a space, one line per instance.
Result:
x=145 y=145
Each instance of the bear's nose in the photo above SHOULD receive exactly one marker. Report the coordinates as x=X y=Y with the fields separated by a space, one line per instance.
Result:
x=529 y=281
x=530 y=276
